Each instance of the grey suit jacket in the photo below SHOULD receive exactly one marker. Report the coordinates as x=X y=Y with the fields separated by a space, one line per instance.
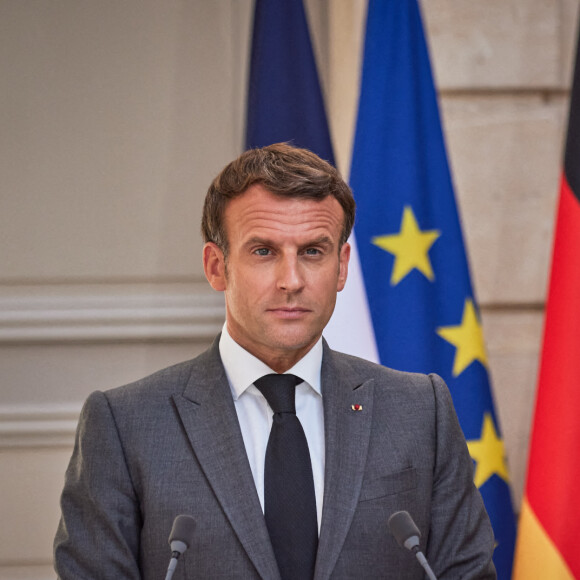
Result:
x=170 y=444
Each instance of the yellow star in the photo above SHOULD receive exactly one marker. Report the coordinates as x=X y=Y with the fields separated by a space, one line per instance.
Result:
x=467 y=338
x=410 y=248
x=488 y=453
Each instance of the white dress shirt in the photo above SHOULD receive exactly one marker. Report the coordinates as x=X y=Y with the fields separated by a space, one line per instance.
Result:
x=255 y=415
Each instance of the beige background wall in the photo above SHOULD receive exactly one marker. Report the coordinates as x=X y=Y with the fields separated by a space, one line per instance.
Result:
x=116 y=115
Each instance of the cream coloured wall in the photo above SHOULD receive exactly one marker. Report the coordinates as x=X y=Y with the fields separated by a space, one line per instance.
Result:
x=117 y=115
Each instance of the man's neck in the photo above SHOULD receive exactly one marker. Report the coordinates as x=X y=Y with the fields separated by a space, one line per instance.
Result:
x=279 y=360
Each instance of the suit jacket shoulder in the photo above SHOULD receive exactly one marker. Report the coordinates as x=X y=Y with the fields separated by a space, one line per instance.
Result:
x=415 y=459
x=151 y=450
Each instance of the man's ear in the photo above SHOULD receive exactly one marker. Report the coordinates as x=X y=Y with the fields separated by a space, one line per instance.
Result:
x=344 y=257
x=214 y=266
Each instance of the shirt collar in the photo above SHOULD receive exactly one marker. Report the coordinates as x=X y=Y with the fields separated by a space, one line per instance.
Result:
x=243 y=368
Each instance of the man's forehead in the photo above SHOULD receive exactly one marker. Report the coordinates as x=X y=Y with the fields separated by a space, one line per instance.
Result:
x=258 y=194
x=260 y=206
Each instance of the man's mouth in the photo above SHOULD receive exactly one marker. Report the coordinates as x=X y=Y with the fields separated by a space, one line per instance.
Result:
x=289 y=312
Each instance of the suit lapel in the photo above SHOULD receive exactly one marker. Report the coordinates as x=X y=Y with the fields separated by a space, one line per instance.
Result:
x=347 y=434
x=209 y=417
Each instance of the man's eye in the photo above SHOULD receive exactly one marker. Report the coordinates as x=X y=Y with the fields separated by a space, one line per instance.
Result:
x=262 y=251
x=312 y=251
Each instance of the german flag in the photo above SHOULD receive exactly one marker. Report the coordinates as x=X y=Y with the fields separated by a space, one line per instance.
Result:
x=549 y=528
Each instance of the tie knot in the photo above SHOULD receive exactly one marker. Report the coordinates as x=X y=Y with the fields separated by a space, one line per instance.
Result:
x=279 y=391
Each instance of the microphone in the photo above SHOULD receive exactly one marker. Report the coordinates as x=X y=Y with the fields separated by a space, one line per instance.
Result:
x=180 y=538
x=407 y=535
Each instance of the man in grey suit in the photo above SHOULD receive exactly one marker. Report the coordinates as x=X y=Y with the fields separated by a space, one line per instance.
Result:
x=192 y=439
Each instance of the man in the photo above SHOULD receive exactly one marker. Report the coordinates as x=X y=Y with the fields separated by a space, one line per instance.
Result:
x=194 y=438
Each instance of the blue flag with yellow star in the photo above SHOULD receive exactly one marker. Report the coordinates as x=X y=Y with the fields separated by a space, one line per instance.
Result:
x=410 y=244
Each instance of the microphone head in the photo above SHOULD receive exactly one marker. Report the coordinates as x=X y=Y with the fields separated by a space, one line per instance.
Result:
x=404 y=529
x=182 y=532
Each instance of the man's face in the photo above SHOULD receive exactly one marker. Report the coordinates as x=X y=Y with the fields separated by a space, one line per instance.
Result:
x=282 y=274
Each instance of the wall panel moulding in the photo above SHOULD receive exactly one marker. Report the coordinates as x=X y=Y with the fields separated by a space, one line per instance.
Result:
x=37 y=427
x=110 y=318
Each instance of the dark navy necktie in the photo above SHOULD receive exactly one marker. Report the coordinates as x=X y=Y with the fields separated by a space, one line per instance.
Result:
x=289 y=499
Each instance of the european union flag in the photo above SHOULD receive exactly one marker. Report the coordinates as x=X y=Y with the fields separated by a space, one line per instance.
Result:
x=410 y=244
x=284 y=98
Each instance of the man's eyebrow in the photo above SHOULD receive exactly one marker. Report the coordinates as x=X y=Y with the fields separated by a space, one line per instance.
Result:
x=320 y=241
x=257 y=240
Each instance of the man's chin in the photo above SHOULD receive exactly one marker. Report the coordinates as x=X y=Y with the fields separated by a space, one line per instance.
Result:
x=294 y=341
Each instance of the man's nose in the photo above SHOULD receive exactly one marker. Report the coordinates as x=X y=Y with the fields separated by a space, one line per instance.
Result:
x=290 y=276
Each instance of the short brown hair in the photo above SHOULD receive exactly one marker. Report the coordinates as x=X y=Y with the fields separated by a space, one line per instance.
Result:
x=283 y=170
